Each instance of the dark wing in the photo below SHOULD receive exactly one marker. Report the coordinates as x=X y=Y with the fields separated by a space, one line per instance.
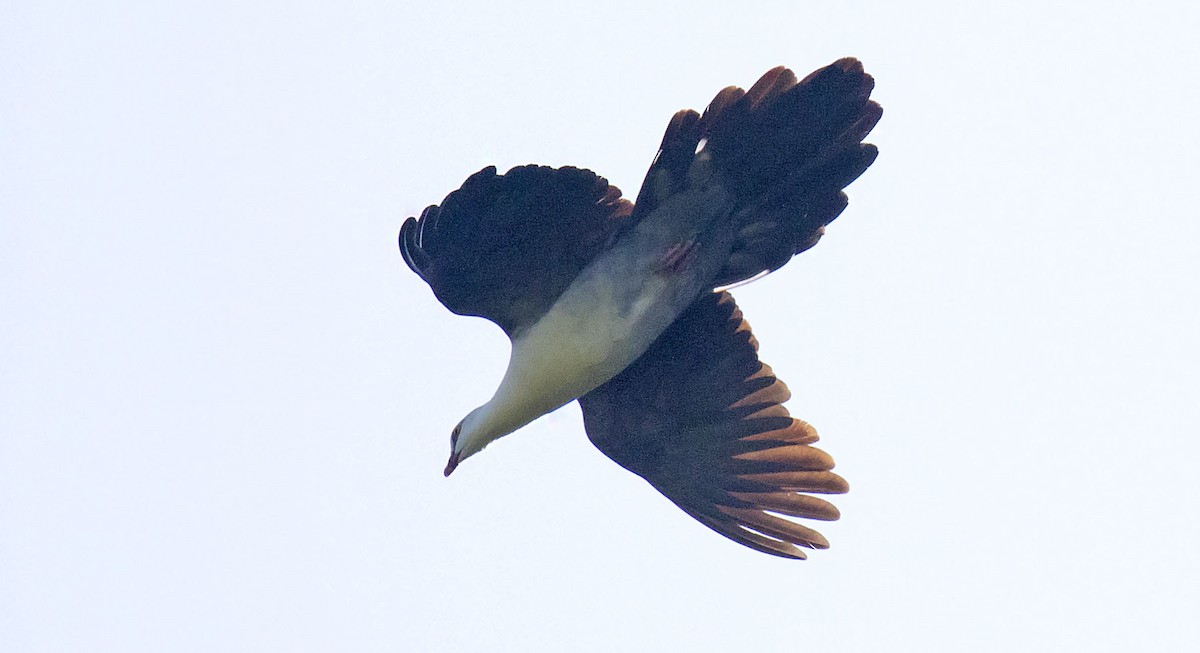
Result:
x=701 y=419
x=504 y=247
x=785 y=149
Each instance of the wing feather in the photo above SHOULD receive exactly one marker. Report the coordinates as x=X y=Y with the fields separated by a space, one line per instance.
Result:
x=504 y=247
x=701 y=419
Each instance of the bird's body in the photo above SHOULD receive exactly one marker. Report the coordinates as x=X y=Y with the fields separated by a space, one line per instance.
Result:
x=613 y=310
x=603 y=300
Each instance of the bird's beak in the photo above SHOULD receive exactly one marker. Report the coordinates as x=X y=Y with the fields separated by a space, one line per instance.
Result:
x=454 y=458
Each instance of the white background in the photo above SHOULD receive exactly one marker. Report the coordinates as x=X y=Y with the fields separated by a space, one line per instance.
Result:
x=225 y=402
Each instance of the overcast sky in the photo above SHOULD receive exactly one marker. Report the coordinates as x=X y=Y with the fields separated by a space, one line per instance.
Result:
x=225 y=402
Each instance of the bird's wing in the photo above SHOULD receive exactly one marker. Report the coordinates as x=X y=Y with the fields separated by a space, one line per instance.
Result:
x=785 y=149
x=701 y=419
x=504 y=247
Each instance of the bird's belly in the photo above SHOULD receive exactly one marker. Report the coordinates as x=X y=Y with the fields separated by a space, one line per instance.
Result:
x=585 y=340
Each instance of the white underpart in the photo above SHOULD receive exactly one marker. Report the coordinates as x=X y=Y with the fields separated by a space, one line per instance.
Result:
x=609 y=315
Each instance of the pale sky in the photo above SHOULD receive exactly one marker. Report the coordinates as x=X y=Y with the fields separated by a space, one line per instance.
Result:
x=225 y=402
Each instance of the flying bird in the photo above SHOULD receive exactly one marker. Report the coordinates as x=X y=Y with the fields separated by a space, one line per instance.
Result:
x=622 y=306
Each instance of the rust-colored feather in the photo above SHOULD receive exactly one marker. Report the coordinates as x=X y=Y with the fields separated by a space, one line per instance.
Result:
x=701 y=419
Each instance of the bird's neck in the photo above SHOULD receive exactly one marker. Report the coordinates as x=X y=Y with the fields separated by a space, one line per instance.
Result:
x=546 y=370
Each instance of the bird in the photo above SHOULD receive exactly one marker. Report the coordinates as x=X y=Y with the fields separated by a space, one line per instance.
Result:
x=625 y=306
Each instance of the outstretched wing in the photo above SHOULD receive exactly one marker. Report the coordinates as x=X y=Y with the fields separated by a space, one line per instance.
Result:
x=701 y=419
x=785 y=149
x=504 y=247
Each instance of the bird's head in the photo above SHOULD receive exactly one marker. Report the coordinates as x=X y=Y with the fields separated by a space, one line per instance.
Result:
x=468 y=438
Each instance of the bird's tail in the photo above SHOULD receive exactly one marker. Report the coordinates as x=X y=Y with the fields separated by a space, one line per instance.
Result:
x=785 y=149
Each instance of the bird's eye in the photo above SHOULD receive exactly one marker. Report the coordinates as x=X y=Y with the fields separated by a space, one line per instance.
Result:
x=454 y=434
